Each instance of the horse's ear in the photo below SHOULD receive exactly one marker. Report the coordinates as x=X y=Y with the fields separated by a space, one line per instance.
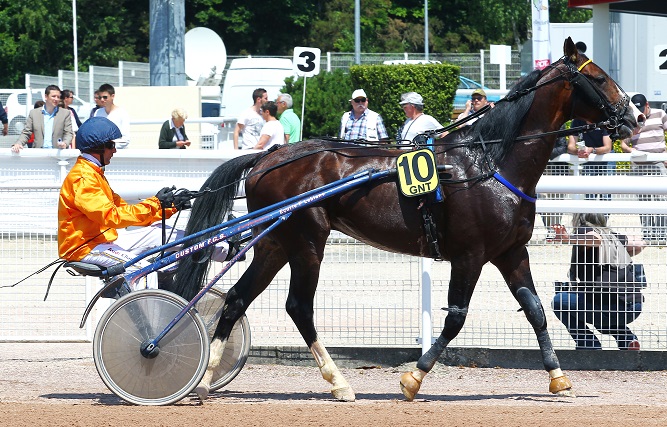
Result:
x=570 y=50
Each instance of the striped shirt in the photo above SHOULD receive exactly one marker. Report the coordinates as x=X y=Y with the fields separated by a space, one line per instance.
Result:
x=652 y=136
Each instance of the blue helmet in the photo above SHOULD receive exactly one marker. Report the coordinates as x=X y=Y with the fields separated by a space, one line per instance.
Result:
x=94 y=132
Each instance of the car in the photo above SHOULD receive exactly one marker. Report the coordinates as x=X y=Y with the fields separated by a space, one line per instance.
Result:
x=465 y=88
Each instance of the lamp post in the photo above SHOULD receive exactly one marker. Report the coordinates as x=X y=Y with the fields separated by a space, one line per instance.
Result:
x=76 y=48
x=426 y=30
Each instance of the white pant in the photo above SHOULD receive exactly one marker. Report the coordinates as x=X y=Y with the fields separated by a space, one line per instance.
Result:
x=134 y=242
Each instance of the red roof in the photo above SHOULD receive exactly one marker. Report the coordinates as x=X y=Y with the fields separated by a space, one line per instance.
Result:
x=576 y=3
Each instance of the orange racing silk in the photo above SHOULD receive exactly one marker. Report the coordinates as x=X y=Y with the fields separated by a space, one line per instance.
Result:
x=89 y=212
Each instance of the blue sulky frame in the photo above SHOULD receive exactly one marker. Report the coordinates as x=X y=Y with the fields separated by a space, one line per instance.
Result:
x=278 y=213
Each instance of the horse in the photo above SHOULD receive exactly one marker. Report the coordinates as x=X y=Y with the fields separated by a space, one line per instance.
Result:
x=486 y=211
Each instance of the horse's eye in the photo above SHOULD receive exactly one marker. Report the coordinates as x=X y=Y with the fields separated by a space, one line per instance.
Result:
x=600 y=79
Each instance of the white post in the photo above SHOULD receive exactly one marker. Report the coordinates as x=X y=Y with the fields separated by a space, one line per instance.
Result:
x=427 y=324
x=328 y=65
x=303 y=105
x=481 y=66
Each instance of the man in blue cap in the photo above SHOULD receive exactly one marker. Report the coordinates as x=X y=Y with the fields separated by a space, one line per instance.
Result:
x=89 y=212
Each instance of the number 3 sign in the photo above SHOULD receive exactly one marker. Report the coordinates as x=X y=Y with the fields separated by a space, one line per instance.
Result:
x=306 y=61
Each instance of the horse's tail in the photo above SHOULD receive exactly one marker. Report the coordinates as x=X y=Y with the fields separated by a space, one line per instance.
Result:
x=208 y=211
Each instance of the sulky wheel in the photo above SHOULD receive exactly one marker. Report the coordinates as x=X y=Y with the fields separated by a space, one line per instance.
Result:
x=238 y=346
x=164 y=376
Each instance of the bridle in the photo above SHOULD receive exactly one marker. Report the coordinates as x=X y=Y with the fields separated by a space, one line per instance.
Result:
x=615 y=112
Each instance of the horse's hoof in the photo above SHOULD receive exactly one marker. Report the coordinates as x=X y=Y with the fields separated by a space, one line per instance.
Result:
x=202 y=391
x=562 y=386
x=410 y=386
x=344 y=394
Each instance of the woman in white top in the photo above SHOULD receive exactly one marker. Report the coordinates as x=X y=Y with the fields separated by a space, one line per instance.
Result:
x=417 y=122
x=272 y=132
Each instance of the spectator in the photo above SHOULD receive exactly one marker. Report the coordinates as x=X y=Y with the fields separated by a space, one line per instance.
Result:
x=98 y=104
x=67 y=96
x=52 y=126
x=90 y=213
x=476 y=102
x=250 y=122
x=116 y=114
x=650 y=139
x=362 y=122
x=172 y=134
x=581 y=47
x=603 y=290
x=3 y=120
x=417 y=123
x=289 y=120
x=272 y=132
x=596 y=141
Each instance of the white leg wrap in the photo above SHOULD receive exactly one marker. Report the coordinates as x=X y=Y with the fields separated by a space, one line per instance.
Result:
x=339 y=386
x=217 y=348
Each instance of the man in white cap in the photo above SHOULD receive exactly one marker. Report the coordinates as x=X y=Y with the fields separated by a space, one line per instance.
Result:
x=476 y=102
x=361 y=122
x=417 y=122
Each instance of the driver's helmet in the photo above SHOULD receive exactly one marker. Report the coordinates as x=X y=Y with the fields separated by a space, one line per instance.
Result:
x=95 y=132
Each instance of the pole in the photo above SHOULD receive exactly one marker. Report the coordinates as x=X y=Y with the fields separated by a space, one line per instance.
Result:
x=76 y=49
x=427 y=323
x=357 y=32
x=426 y=30
x=303 y=106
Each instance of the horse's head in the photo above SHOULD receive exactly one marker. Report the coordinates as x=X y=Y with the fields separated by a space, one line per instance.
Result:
x=597 y=97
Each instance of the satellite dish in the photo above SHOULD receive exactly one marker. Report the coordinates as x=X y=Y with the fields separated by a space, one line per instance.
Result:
x=205 y=56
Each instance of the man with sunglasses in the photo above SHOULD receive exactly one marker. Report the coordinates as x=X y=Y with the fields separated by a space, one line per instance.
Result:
x=476 y=102
x=116 y=114
x=90 y=213
x=362 y=122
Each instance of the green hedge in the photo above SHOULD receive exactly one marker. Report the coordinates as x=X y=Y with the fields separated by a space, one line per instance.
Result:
x=328 y=94
x=384 y=84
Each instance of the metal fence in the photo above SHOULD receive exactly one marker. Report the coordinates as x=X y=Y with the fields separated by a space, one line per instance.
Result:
x=475 y=66
x=366 y=297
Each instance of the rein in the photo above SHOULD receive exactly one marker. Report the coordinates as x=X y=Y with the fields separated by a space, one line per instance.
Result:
x=573 y=74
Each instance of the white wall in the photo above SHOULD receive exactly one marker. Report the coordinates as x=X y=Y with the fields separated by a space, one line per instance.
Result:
x=642 y=40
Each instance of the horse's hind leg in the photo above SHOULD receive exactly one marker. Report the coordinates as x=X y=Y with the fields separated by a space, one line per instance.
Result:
x=515 y=268
x=465 y=273
x=305 y=267
x=267 y=261
x=305 y=257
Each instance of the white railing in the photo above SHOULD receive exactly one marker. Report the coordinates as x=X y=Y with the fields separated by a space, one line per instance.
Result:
x=366 y=297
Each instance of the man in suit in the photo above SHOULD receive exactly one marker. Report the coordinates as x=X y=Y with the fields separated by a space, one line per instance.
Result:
x=51 y=125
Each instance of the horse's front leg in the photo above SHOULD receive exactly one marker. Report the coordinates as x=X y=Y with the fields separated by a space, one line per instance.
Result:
x=515 y=268
x=461 y=286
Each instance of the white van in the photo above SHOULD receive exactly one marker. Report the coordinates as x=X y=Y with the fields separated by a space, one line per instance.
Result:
x=244 y=75
x=17 y=104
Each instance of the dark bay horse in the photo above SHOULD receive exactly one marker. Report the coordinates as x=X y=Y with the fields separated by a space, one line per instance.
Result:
x=480 y=219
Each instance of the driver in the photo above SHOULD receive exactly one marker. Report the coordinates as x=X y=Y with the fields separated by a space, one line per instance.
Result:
x=90 y=213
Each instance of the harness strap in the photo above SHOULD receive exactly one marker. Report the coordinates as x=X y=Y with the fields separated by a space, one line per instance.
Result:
x=581 y=67
x=430 y=230
x=513 y=189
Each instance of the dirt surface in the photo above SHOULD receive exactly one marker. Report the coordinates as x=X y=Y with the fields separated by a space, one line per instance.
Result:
x=57 y=385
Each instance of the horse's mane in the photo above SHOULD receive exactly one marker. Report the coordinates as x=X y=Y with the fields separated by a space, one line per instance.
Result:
x=503 y=122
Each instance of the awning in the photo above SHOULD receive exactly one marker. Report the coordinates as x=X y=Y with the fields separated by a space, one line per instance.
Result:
x=642 y=7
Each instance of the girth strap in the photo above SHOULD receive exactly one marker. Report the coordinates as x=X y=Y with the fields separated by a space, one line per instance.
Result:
x=429 y=229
